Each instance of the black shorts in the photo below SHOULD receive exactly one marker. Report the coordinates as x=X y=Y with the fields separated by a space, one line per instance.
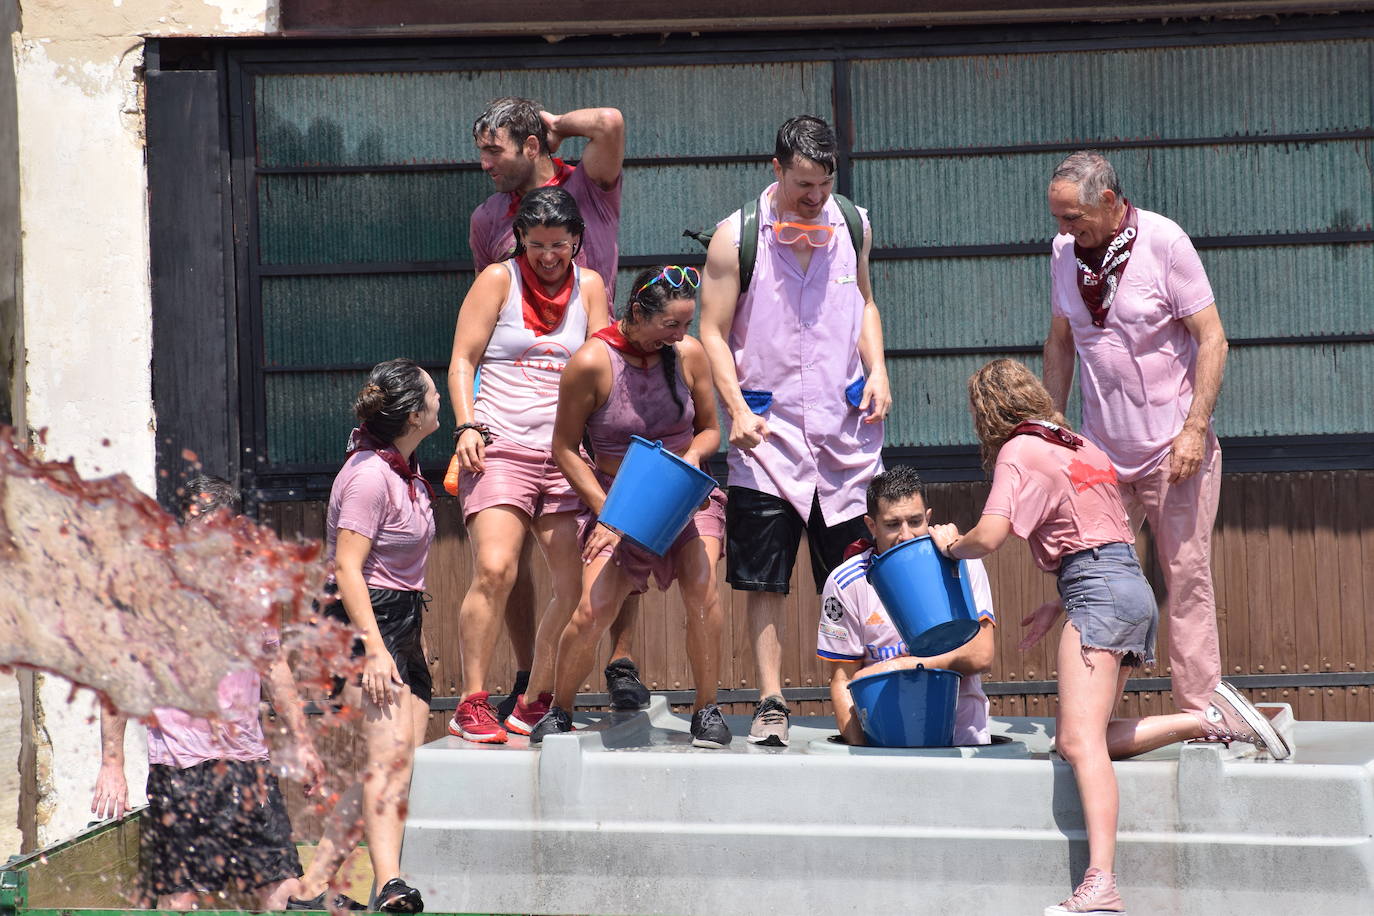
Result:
x=214 y=822
x=763 y=532
x=400 y=618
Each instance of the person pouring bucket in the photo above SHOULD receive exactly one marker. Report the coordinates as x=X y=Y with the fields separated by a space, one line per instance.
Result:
x=642 y=376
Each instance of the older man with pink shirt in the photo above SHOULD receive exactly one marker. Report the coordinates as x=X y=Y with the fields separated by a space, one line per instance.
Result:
x=1130 y=298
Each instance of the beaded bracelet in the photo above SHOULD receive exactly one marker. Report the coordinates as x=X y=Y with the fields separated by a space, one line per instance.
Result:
x=481 y=428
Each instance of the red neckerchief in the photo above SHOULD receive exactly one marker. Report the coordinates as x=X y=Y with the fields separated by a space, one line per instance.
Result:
x=1098 y=287
x=616 y=338
x=1049 y=432
x=361 y=440
x=542 y=312
x=858 y=547
x=561 y=173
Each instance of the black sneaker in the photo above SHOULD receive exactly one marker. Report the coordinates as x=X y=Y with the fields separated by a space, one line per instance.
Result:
x=522 y=680
x=341 y=902
x=709 y=728
x=555 y=722
x=398 y=897
x=626 y=689
x=771 y=721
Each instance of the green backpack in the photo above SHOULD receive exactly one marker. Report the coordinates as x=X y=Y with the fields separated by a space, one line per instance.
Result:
x=749 y=235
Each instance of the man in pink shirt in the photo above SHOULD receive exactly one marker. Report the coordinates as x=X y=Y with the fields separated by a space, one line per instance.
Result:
x=1131 y=300
x=517 y=141
x=798 y=363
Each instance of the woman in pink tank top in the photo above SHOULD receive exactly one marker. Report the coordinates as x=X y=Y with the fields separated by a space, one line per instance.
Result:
x=1058 y=491
x=642 y=376
x=520 y=323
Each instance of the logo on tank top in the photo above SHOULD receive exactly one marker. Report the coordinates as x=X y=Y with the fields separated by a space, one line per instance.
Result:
x=542 y=358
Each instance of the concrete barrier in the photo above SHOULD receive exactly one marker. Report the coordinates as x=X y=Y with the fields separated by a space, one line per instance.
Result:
x=625 y=817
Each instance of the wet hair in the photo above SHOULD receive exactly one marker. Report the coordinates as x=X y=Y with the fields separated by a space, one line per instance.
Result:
x=395 y=389
x=648 y=301
x=205 y=493
x=897 y=483
x=520 y=118
x=1004 y=394
x=550 y=207
x=1090 y=172
x=808 y=137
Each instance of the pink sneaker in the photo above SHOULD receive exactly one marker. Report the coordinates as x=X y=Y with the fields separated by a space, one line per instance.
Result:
x=1096 y=895
x=526 y=715
x=1231 y=717
x=475 y=720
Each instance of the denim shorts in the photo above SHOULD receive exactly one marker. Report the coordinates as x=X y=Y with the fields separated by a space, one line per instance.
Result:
x=1109 y=600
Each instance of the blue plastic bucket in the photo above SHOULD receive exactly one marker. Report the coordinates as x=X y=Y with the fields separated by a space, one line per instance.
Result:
x=654 y=495
x=927 y=596
x=911 y=707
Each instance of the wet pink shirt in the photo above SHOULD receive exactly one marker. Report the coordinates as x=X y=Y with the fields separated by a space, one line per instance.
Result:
x=1136 y=373
x=1060 y=500
x=491 y=239
x=797 y=335
x=181 y=740
x=371 y=499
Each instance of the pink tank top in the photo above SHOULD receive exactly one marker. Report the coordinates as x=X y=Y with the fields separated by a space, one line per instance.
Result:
x=640 y=405
x=518 y=393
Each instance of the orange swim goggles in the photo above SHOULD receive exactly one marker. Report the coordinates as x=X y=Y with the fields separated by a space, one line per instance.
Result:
x=789 y=233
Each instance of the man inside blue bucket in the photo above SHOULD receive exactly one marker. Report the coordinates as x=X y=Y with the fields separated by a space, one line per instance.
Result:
x=858 y=639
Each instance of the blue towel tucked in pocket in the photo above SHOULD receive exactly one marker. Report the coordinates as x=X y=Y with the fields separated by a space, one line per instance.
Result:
x=758 y=401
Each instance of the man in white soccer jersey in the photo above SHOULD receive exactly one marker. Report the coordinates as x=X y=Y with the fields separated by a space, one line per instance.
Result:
x=857 y=638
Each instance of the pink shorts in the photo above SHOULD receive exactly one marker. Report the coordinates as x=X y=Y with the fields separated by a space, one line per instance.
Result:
x=639 y=564
x=524 y=478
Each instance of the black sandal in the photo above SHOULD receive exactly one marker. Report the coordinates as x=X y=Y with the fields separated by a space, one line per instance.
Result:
x=398 y=897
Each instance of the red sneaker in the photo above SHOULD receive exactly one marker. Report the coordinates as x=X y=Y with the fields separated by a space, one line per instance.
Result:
x=526 y=715
x=475 y=720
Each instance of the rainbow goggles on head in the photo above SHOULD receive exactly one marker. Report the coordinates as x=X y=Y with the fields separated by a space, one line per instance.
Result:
x=675 y=277
x=789 y=233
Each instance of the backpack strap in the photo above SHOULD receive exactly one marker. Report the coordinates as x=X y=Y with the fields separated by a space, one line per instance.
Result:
x=748 y=242
x=853 y=221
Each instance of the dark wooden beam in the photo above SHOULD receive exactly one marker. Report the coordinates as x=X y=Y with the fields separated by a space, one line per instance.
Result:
x=560 y=18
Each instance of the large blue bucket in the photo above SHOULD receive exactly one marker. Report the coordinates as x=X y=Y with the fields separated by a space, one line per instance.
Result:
x=910 y=707
x=654 y=495
x=927 y=596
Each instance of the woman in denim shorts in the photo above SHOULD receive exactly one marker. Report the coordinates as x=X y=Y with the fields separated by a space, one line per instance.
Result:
x=1058 y=491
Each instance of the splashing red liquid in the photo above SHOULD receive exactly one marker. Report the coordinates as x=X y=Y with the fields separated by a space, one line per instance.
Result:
x=101 y=586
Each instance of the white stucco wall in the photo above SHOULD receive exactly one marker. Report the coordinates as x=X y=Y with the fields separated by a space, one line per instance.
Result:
x=84 y=284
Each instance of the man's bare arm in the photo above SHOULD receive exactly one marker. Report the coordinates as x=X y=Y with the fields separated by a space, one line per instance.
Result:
x=1190 y=445
x=877 y=397
x=719 y=297
x=1059 y=357
x=604 y=128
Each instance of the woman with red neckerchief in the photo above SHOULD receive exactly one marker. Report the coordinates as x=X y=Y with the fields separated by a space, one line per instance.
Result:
x=1058 y=491
x=520 y=323
x=377 y=533
x=642 y=376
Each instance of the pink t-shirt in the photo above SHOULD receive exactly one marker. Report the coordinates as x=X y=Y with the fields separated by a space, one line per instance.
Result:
x=1136 y=373
x=491 y=239
x=181 y=740
x=368 y=497
x=854 y=627
x=1060 y=500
